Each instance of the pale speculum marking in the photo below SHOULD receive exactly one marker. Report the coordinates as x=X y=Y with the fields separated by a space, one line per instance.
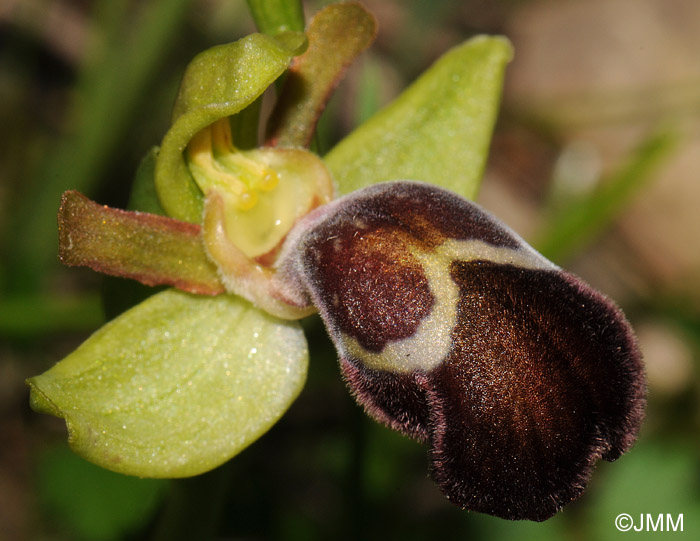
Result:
x=431 y=343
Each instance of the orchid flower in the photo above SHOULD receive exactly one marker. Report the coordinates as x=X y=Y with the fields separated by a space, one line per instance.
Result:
x=449 y=327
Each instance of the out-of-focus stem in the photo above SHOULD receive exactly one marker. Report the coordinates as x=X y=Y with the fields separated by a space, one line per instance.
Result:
x=275 y=16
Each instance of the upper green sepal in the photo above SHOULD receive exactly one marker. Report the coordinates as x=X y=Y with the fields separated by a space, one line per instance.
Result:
x=437 y=131
x=175 y=386
x=219 y=82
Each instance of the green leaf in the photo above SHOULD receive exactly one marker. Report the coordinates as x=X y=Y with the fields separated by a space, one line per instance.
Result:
x=337 y=35
x=438 y=130
x=219 y=82
x=153 y=249
x=175 y=386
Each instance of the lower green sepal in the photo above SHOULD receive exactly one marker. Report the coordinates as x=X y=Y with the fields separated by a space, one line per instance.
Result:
x=175 y=386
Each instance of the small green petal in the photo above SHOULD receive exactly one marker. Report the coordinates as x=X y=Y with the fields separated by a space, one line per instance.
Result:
x=153 y=249
x=219 y=82
x=175 y=386
x=436 y=131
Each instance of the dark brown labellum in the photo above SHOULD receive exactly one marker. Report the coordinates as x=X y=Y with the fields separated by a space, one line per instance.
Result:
x=451 y=329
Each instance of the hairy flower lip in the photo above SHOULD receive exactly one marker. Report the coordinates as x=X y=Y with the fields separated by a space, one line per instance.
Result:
x=543 y=376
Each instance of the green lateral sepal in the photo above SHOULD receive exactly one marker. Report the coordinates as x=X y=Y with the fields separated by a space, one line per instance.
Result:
x=175 y=386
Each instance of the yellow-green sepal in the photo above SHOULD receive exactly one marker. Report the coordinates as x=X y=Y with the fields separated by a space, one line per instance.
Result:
x=175 y=386
x=219 y=82
x=438 y=130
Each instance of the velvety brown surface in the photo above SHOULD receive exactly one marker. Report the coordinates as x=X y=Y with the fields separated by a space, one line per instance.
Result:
x=359 y=262
x=376 y=288
x=396 y=400
x=543 y=376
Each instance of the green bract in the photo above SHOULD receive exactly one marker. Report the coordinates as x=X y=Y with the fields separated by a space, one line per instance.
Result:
x=177 y=385
x=181 y=383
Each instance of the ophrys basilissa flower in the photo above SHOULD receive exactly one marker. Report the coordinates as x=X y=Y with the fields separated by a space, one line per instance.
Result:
x=449 y=327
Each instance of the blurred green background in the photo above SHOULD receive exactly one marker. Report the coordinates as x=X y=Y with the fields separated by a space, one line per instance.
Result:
x=595 y=160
